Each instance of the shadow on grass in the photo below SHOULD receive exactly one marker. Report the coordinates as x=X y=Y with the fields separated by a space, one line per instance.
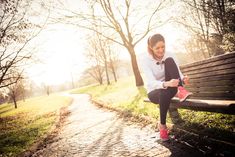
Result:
x=16 y=141
x=210 y=141
x=3 y=106
x=199 y=128
x=5 y=111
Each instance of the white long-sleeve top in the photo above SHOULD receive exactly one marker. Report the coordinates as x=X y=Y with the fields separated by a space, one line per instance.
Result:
x=154 y=73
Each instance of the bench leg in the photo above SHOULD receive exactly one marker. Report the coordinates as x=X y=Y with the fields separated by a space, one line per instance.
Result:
x=174 y=115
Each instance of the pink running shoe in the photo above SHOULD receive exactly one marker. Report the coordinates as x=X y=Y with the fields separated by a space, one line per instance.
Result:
x=183 y=93
x=164 y=134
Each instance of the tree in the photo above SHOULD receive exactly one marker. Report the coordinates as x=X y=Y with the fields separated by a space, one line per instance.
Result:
x=103 y=55
x=121 y=22
x=113 y=59
x=16 y=31
x=16 y=90
x=196 y=48
x=3 y=96
x=47 y=89
x=210 y=21
x=94 y=56
x=96 y=72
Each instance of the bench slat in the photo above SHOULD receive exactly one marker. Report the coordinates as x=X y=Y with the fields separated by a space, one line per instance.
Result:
x=219 y=95
x=211 y=74
x=211 y=89
x=214 y=59
x=211 y=98
x=211 y=69
x=208 y=65
x=230 y=77
x=224 y=83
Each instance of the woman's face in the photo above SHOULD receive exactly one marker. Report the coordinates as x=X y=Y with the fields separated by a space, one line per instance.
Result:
x=159 y=49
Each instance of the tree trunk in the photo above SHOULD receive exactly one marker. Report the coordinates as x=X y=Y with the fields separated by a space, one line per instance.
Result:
x=106 y=68
x=99 y=77
x=113 y=70
x=138 y=79
x=23 y=95
x=114 y=74
x=100 y=80
x=14 y=100
x=48 y=90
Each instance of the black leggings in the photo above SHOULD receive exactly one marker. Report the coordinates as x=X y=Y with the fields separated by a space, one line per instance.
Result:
x=164 y=96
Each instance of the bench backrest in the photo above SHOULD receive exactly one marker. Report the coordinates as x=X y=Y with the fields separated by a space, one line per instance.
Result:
x=212 y=78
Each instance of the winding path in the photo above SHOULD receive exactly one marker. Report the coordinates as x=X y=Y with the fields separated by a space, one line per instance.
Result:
x=96 y=132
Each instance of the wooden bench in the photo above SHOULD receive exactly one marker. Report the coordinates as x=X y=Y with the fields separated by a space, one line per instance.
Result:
x=212 y=82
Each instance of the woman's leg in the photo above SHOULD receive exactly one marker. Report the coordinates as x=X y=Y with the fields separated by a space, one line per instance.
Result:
x=163 y=98
x=165 y=95
x=172 y=71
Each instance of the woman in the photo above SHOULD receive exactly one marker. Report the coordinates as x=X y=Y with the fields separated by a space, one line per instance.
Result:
x=164 y=79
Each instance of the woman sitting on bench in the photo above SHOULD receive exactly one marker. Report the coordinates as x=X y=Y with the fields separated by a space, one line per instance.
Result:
x=164 y=79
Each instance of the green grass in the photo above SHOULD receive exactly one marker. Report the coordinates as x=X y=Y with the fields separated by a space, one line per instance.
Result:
x=125 y=96
x=31 y=120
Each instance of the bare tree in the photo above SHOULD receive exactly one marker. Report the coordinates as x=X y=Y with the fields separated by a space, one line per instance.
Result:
x=3 y=96
x=91 y=76
x=47 y=89
x=103 y=56
x=16 y=31
x=196 y=48
x=16 y=90
x=209 y=21
x=103 y=59
x=122 y=22
x=96 y=72
x=94 y=56
x=113 y=59
x=195 y=21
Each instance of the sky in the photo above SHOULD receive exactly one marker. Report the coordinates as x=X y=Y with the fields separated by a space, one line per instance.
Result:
x=59 y=55
x=61 y=47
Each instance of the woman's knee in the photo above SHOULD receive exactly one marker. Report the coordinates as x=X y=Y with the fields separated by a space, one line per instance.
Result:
x=154 y=96
x=169 y=60
x=167 y=94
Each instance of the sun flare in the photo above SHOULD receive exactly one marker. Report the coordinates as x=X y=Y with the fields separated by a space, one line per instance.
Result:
x=61 y=55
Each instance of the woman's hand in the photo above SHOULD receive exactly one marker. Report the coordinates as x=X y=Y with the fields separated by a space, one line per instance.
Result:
x=171 y=83
x=186 y=80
